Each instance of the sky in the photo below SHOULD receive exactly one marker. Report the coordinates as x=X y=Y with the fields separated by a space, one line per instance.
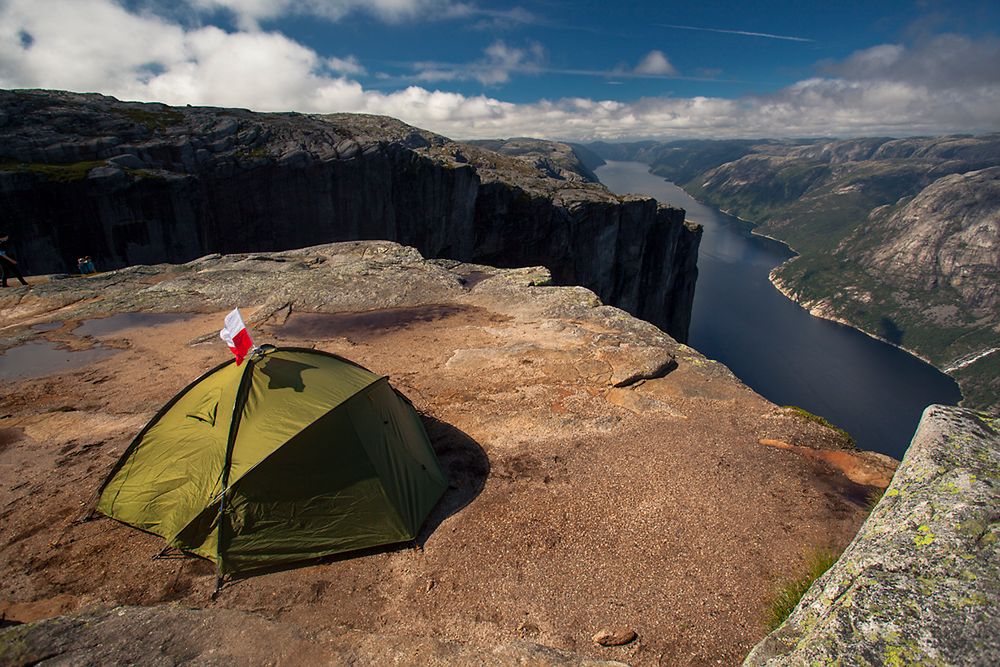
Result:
x=555 y=69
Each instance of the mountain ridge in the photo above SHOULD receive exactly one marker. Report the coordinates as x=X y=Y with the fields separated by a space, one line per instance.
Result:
x=842 y=205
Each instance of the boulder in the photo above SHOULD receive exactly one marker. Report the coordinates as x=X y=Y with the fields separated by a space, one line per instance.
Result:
x=919 y=584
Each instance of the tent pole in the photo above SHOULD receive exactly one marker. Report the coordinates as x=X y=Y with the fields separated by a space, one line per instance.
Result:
x=234 y=425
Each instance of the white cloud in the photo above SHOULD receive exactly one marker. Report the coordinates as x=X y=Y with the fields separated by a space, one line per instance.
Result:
x=81 y=44
x=490 y=19
x=943 y=61
x=656 y=64
x=249 y=13
x=97 y=45
x=499 y=61
x=348 y=66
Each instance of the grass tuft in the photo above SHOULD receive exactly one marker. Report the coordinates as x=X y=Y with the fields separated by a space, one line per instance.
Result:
x=790 y=592
x=873 y=498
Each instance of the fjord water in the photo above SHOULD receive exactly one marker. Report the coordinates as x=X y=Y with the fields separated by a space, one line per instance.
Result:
x=873 y=390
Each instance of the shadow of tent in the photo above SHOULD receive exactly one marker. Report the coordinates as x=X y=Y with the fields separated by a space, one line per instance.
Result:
x=464 y=463
x=466 y=467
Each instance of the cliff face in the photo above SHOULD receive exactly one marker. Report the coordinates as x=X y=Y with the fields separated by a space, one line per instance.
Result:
x=141 y=183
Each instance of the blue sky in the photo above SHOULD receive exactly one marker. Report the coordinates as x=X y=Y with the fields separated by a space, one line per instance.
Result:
x=556 y=69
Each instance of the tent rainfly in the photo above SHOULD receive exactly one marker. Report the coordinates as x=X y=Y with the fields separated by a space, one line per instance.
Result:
x=294 y=455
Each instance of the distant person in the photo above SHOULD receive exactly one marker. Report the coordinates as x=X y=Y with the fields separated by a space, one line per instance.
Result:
x=86 y=265
x=7 y=263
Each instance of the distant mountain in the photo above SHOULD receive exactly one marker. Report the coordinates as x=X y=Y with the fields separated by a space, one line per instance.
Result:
x=899 y=237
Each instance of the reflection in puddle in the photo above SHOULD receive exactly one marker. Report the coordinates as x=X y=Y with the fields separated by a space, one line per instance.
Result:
x=39 y=358
x=47 y=326
x=320 y=326
x=121 y=321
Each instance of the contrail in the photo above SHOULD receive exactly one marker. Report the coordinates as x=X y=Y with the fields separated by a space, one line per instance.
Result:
x=737 y=32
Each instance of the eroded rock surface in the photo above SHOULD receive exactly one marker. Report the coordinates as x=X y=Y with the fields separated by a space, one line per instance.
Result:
x=948 y=237
x=920 y=584
x=601 y=474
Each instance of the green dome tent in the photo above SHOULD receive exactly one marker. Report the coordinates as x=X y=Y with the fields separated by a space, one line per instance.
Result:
x=294 y=455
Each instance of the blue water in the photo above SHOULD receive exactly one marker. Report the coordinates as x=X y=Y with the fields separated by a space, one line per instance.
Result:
x=873 y=390
x=40 y=358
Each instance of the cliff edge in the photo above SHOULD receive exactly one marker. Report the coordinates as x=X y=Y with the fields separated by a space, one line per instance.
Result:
x=919 y=583
x=131 y=183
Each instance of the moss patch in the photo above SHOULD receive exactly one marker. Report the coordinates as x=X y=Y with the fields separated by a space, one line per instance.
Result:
x=924 y=536
x=152 y=120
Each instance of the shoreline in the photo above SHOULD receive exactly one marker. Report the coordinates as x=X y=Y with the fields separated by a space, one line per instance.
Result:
x=818 y=311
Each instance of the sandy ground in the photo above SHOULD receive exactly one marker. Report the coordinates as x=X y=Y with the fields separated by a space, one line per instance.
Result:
x=573 y=505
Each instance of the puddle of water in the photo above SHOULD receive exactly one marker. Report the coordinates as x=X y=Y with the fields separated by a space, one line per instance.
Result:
x=40 y=358
x=122 y=321
x=46 y=326
x=323 y=326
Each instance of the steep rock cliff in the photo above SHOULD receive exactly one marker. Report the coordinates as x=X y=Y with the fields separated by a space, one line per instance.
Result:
x=135 y=183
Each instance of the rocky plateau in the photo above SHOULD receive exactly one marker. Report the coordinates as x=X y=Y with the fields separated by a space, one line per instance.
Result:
x=604 y=479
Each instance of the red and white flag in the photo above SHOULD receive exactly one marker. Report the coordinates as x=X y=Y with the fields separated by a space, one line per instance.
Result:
x=236 y=336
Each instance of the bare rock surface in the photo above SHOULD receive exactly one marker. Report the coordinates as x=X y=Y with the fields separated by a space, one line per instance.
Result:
x=170 y=635
x=601 y=474
x=948 y=237
x=554 y=158
x=919 y=584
